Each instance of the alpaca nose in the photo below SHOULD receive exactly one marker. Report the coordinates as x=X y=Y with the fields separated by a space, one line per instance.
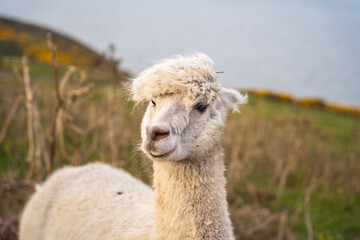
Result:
x=156 y=133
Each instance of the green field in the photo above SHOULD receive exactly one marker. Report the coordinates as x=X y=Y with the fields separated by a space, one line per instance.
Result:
x=292 y=171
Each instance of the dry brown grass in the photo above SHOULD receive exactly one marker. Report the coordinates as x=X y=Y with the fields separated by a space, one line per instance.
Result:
x=283 y=161
x=271 y=158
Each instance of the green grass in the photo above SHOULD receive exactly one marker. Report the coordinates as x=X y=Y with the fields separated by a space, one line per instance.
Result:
x=43 y=70
x=338 y=124
x=335 y=209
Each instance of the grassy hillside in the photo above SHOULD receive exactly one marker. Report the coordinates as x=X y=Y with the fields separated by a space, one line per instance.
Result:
x=19 y=38
x=292 y=171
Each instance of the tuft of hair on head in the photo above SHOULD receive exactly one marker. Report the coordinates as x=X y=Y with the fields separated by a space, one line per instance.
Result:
x=189 y=76
x=127 y=86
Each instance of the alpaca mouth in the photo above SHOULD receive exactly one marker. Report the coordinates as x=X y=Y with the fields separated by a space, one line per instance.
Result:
x=154 y=155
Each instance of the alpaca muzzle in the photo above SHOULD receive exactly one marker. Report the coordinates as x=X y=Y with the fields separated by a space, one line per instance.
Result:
x=157 y=133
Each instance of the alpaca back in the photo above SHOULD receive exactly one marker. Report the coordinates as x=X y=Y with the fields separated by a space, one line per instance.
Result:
x=95 y=201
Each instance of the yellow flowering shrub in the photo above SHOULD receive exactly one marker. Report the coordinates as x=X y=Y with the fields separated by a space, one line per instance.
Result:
x=6 y=32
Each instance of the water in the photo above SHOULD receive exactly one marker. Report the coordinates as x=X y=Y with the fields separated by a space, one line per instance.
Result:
x=307 y=48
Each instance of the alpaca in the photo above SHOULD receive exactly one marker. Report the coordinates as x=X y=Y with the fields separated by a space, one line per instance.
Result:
x=182 y=133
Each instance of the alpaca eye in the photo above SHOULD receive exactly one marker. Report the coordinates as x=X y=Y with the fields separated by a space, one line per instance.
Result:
x=201 y=107
x=154 y=103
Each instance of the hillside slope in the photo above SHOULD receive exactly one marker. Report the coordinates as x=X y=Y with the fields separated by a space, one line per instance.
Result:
x=18 y=38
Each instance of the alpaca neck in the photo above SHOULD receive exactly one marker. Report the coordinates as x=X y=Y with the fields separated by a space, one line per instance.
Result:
x=190 y=199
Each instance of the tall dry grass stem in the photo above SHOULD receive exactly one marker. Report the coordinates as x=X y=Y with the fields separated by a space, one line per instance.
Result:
x=59 y=102
x=17 y=74
x=282 y=226
x=37 y=142
x=112 y=129
x=316 y=180
x=29 y=116
x=41 y=147
x=10 y=116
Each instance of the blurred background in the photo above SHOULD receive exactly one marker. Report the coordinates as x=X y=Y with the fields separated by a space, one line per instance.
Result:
x=307 y=48
x=292 y=155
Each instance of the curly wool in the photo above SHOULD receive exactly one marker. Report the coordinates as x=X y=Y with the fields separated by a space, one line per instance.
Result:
x=190 y=77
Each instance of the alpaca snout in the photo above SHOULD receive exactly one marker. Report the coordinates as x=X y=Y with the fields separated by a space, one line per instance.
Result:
x=157 y=132
x=159 y=140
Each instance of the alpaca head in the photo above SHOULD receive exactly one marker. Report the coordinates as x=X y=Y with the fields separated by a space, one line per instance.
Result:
x=186 y=110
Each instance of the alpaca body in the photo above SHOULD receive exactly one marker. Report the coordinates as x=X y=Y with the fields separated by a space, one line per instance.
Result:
x=182 y=133
x=121 y=207
x=110 y=204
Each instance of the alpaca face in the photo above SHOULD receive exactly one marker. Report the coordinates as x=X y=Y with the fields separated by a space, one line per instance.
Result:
x=174 y=128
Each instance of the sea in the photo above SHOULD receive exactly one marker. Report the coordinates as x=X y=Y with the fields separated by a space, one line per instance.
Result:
x=303 y=47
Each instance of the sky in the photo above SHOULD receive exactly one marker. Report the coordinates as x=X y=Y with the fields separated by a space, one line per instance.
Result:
x=307 y=48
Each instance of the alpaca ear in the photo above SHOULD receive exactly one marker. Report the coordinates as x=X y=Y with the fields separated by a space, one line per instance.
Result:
x=231 y=99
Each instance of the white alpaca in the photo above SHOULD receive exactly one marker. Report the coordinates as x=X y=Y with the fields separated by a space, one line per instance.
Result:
x=182 y=132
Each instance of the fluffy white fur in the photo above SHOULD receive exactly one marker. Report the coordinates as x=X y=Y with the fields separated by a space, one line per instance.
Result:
x=182 y=132
x=91 y=202
x=190 y=77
